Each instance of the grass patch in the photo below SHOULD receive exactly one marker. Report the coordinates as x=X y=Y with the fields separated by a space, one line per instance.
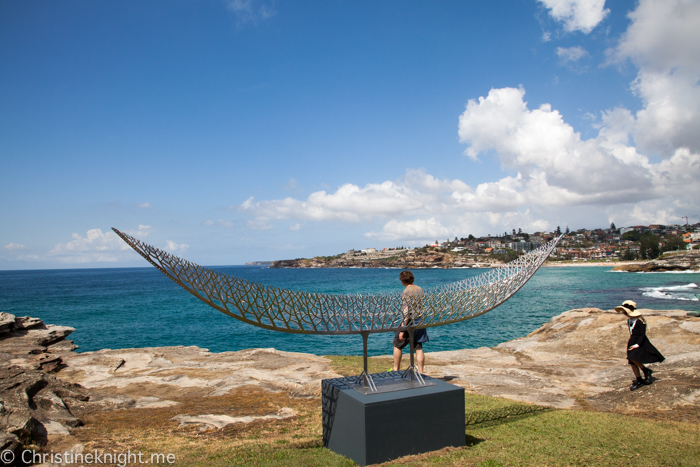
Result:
x=353 y=365
x=499 y=432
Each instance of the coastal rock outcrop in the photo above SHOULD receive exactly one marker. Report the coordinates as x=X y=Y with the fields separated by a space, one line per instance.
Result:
x=687 y=261
x=34 y=403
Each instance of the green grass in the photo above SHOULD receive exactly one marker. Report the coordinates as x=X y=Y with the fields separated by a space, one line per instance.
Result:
x=535 y=438
x=353 y=365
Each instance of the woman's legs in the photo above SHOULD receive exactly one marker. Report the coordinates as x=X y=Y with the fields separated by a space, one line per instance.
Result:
x=635 y=369
x=636 y=366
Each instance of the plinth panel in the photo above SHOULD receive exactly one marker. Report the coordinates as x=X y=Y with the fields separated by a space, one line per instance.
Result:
x=376 y=428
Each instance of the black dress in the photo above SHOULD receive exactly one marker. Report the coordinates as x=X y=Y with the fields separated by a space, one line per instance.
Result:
x=645 y=353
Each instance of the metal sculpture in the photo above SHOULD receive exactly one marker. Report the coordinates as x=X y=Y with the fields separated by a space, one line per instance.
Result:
x=317 y=313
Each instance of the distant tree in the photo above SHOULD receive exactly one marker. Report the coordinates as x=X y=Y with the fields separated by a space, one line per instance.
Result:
x=506 y=257
x=558 y=232
x=513 y=231
x=673 y=243
x=632 y=236
x=456 y=240
x=520 y=231
x=649 y=246
x=612 y=226
x=629 y=255
x=471 y=237
x=567 y=230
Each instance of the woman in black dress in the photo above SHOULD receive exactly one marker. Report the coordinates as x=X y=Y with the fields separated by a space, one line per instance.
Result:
x=639 y=349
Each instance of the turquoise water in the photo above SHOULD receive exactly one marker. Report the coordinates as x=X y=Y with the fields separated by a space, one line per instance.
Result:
x=140 y=307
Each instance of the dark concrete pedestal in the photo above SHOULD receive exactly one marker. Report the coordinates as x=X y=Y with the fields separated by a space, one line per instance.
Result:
x=376 y=428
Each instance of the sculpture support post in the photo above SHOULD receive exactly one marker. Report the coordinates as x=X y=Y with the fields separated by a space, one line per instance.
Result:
x=411 y=350
x=365 y=377
x=411 y=370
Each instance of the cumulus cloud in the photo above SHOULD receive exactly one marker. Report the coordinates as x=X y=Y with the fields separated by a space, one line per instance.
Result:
x=349 y=203
x=417 y=229
x=577 y=15
x=96 y=246
x=663 y=41
x=176 y=247
x=295 y=227
x=15 y=246
x=538 y=143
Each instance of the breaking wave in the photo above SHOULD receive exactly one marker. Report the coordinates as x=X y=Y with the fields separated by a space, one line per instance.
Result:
x=676 y=292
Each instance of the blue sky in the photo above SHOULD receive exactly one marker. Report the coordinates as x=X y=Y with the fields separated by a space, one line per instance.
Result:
x=228 y=131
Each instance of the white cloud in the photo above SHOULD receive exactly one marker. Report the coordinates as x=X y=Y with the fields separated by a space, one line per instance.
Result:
x=15 y=246
x=418 y=229
x=538 y=142
x=95 y=247
x=176 y=247
x=143 y=205
x=577 y=15
x=571 y=54
x=295 y=227
x=663 y=41
x=251 y=11
x=350 y=203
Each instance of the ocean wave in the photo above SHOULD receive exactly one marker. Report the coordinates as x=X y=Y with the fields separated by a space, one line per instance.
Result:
x=689 y=271
x=686 y=292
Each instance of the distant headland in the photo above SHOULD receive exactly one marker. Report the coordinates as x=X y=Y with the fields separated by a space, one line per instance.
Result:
x=610 y=246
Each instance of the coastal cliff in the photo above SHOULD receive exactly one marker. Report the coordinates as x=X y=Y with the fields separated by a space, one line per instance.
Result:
x=686 y=261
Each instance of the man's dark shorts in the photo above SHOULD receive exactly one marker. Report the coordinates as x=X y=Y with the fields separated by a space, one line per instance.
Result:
x=420 y=334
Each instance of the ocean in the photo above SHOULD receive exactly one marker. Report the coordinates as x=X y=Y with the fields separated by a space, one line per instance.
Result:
x=140 y=307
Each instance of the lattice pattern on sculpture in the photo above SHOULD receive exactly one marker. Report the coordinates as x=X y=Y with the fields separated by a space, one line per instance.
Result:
x=317 y=313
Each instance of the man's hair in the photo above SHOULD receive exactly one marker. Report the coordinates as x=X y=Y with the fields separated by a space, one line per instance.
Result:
x=407 y=277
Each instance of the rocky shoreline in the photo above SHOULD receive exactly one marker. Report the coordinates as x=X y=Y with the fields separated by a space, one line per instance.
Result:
x=575 y=361
x=687 y=261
